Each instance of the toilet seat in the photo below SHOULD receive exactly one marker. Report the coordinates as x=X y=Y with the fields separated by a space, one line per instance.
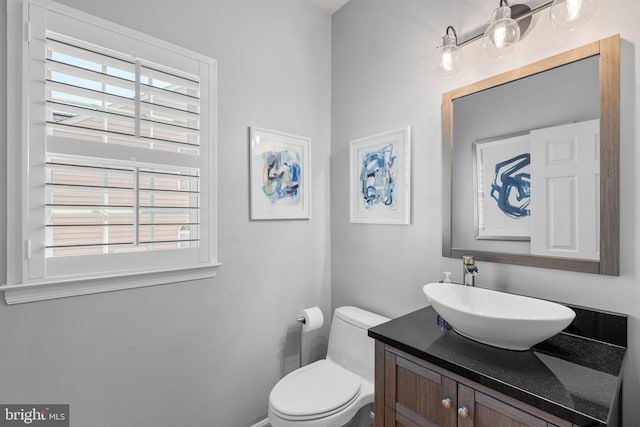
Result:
x=318 y=390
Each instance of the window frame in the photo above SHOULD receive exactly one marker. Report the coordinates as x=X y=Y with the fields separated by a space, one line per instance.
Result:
x=23 y=171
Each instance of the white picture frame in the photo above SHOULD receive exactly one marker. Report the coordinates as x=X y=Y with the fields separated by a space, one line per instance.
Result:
x=502 y=181
x=380 y=178
x=279 y=175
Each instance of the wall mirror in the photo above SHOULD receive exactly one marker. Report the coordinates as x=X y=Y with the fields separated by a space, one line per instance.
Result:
x=531 y=163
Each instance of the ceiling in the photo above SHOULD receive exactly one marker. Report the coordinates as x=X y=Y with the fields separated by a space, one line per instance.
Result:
x=330 y=5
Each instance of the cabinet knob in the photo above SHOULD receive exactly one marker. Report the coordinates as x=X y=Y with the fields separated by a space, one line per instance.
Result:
x=463 y=412
x=446 y=403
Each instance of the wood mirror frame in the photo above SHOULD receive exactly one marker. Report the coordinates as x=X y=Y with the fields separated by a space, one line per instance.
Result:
x=608 y=50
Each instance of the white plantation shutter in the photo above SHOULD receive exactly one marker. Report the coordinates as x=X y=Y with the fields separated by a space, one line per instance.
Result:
x=98 y=206
x=97 y=94
x=95 y=208
x=118 y=172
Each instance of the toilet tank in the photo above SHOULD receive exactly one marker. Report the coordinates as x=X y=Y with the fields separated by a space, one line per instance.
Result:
x=349 y=344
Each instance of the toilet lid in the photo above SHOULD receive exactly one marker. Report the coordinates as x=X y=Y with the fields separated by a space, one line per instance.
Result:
x=319 y=389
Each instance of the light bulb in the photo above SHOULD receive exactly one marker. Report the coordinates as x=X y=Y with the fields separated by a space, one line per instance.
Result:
x=573 y=9
x=570 y=14
x=450 y=56
x=447 y=60
x=499 y=35
x=502 y=34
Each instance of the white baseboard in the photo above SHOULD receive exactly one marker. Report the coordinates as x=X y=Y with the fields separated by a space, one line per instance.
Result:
x=263 y=423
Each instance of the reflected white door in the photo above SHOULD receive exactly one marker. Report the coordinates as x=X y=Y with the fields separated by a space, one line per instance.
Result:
x=565 y=191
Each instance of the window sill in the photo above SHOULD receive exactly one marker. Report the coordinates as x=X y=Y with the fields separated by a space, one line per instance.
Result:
x=41 y=291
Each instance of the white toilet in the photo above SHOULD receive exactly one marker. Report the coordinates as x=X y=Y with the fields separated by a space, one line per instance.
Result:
x=329 y=392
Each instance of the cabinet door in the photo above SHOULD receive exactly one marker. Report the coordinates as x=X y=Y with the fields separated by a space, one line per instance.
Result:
x=393 y=419
x=476 y=409
x=419 y=396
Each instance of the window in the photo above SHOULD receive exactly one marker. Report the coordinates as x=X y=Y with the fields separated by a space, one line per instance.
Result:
x=111 y=158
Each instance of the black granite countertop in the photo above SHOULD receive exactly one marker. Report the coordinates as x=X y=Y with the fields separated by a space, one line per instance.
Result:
x=572 y=377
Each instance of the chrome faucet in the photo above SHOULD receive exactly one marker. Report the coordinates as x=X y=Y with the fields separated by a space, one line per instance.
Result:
x=469 y=271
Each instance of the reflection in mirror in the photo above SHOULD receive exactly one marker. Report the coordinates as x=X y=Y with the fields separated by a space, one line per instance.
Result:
x=495 y=132
x=530 y=153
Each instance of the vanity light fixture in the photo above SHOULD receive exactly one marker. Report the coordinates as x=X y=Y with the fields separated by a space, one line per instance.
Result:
x=509 y=24
x=503 y=32
x=450 y=56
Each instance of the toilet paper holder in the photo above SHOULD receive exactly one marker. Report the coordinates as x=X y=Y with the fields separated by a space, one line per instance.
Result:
x=301 y=322
x=308 y=319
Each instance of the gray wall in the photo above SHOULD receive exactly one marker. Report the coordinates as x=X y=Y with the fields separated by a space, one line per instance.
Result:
x=207 y=353
x=204 y=353
x=383 y=58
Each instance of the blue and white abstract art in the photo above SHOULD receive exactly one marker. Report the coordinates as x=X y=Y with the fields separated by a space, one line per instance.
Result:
x=380 y=178
x=503 y=182
x=279 y=175
x=511 y=186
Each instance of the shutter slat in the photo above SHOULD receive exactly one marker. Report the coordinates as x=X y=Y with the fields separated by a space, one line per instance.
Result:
x=59 y=71
x=167 y=98
x=73 y=48
x=79 y=111
x=180 y=133
x=170 y=82
x=169 y=115
x=66 y=93
x=100 y=135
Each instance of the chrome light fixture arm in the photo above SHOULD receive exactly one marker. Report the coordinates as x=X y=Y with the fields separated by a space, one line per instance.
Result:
x=522 y=14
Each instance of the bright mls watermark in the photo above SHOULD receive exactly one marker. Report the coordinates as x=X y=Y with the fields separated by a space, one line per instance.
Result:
x=34 y=415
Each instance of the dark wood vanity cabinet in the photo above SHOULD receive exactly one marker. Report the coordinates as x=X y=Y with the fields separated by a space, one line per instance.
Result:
x=413 y=393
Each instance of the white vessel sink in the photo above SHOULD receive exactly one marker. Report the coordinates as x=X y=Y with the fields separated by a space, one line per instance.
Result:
x=496 y=318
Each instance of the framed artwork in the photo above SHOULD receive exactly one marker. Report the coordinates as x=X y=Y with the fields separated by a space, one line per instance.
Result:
x=380 y=178
x=280 y=175
x=502 y=181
